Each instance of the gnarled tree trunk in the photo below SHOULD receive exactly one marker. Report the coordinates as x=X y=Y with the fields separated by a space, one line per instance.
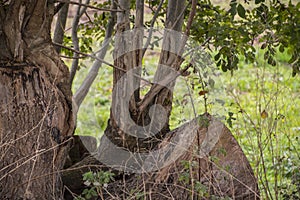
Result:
x=36 y=119
x=152 y=160
x=183 y=169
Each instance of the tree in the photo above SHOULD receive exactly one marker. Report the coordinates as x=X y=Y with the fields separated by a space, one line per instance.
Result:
x=37 y=94
x=36 y=115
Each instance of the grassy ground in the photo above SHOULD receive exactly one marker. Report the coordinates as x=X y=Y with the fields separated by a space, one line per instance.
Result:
x=265 y=101
x=259 y=103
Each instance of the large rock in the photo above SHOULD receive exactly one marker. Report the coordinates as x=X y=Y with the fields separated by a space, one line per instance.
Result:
x=203 y=161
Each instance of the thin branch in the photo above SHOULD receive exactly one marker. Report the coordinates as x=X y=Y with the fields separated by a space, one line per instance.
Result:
x=89 y=79
x=102 y=62
x=68 y=57
x=80 y=11
x=84 y=54
x=82 y=23
x=83 y=9
x=89 y=18
x=188 y=27
x=179 y=17
x=151 y=27
x=58 y=7
x=191 y=17
x=75 y=42
x=89 y=6
x=60 y=26
x=197 y=48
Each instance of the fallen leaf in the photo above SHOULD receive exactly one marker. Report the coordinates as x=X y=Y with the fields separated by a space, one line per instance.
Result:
x=203 y=92
x=264 y=114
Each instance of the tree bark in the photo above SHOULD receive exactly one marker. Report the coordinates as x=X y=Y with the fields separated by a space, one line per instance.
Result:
x=75 y=40
x=126 y=116
x=199 y=160
x=60 y=26
x=89 y=79
x=36 y=120
x=123 y=59
x=217 y=168
x=154 y=173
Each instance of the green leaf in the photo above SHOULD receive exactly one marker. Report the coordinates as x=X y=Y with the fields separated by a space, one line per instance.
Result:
x=217 y=57
x=232 y=9
x=259 y=1
x=293 y=59
x=88 y=176
x=271 y=61
x=224 y=68
x=241 y=11
x=264 y=45
x=281 y=48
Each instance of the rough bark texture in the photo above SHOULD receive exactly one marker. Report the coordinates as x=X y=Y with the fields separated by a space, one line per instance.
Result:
x=128 y=56
x=36 y=120
x=34 y=124
x=60 y=26
x=211 y=165
x=217 y=167
x=219 y=164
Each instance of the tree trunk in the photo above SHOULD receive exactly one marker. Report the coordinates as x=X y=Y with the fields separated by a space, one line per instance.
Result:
x=132 y=116
x=36 y=120
x=138 y=141
x=60 y=26
x=155 y=161
x=183 y=169
x=199 y=160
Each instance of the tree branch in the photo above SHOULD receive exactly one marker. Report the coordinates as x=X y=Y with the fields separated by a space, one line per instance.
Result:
x=137 y=55
x=88 y=81
x=80 y=11
x=180 y=16
x=191 y=17
x=84 y=54
x=168 y=57
x=58 y=7
x=102 y=61
x=155 y=89
x=89 y=6
x=68 y=57
x=151 y=27
x=188 y=27
x=168 y=79
x=60 y=26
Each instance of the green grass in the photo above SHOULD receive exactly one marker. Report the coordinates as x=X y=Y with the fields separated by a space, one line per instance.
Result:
x=271 y=144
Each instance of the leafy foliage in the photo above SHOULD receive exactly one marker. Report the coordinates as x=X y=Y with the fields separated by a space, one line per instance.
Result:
x=262 y=40
x=95 y=181
x=264 y=100
x=235 y=30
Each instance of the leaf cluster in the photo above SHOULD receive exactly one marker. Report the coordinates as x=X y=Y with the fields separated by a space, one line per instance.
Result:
x=237 y=29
